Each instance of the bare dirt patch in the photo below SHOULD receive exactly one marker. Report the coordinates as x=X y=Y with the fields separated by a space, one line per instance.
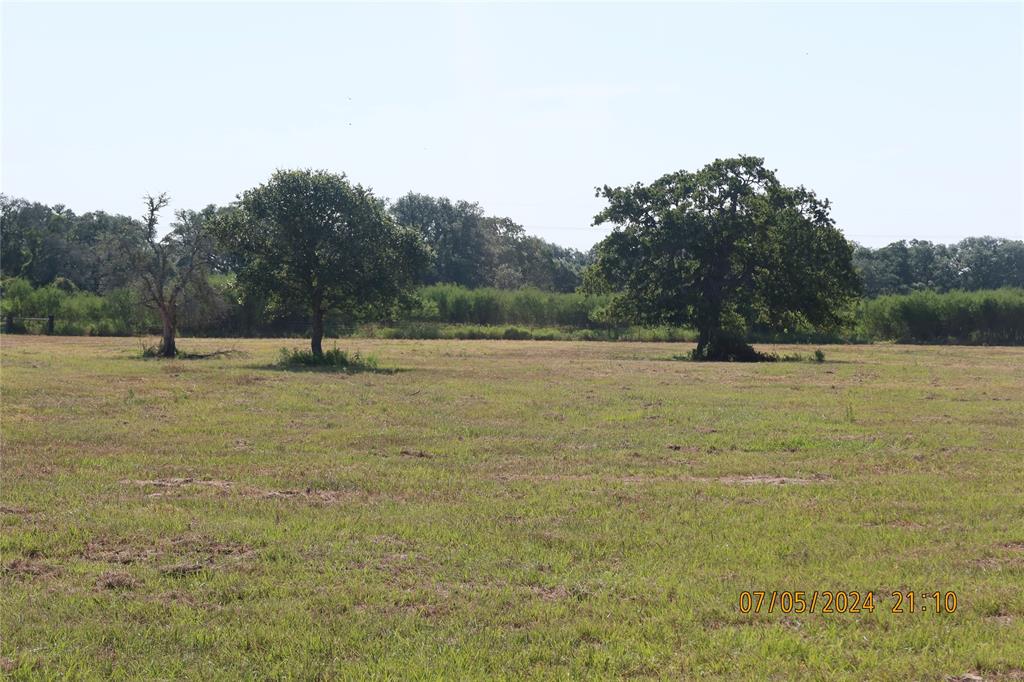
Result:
x=167 y=485
x=642 y=479
x=113 y=580
x=201 y=544
x=28 y=568
x=771 y=480
x=398 y=563
x=186 y=568
x=310 y=494
x=993 y=563
x=420 y=610
x=176 y=487
x=187 y=550
x=119 y=551
x=177 y=597
x=560 y=592
x=897 y=523
x=556 y=593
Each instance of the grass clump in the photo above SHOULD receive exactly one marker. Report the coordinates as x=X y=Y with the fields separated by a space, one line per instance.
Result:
x=516 y=334
x=334 y=359
x=150 y=352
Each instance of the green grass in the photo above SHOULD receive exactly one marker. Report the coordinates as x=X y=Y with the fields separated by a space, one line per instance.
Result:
x=506 y=509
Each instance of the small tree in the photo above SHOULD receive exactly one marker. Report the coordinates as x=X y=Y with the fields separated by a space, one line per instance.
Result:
x=723 y=249
x=312 y=239
x=164 y=267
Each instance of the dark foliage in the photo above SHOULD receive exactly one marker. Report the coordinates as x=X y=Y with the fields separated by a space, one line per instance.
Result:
x=972 y=264
x=723 y=249
x=472 y=249
x=314 y=241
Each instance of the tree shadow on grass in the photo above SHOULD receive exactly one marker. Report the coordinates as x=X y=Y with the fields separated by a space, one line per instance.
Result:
x=278 y=367
x=214 y=354
x=816 y=358
x=153 y=353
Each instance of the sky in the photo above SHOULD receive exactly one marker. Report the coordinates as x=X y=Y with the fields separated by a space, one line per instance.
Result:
x=908 y=117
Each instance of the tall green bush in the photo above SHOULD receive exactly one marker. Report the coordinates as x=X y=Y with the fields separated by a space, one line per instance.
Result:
x=76 y=313
x=994 y=317
x=531 y=307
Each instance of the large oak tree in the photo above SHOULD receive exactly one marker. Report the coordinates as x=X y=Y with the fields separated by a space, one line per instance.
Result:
x=313 y=239
x=722 y=249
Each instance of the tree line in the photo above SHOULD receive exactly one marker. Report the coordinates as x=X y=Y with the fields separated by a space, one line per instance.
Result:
x=972 y=264
x=46 y=245
x=304 y=242
x=726 y=250
x=51 y=245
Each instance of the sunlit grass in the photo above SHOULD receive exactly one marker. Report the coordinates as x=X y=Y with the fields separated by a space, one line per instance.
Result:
x=506 y=509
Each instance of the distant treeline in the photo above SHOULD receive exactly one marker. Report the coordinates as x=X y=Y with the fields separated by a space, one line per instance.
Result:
x=47 y=244
x=972 y=264
x=484 y=271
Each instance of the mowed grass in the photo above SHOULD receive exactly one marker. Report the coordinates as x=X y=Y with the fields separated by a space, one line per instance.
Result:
x=505 y=510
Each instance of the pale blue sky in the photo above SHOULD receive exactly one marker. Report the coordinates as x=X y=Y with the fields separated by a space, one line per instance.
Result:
x=909 y=117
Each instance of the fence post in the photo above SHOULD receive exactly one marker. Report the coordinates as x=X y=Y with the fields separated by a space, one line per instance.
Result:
x=49 y=325
x=9 y=323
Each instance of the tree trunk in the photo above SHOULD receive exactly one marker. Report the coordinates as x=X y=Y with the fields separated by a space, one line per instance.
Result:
x=168 y=349
x=703 y=340
x=715 y=344
x=317 y=337
x=708 y=325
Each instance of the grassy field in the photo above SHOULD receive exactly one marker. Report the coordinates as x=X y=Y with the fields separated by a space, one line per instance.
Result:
x=501 y=509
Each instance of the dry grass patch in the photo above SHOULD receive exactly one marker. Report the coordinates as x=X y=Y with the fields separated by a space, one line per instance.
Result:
x=29 y=568
x=113 y=580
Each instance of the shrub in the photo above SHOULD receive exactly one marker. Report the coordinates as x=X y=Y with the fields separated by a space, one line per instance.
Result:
x=77 y=312
x=151 y=352
x=412 y=330
x=333 y=359
x=529 y=307
x=514 y=334
x=978 y=317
